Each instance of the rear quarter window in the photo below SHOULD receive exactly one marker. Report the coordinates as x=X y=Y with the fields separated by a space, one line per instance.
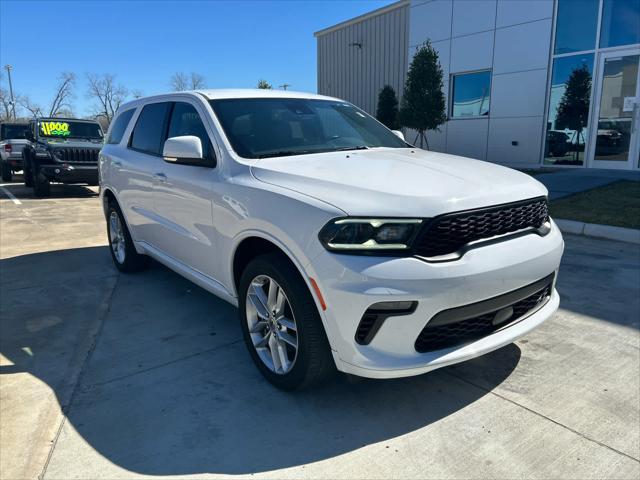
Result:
x=119 y=126
x=148 y=133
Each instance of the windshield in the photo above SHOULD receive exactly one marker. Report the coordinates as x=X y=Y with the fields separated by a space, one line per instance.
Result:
x=8 y=132
x=69 y=129
x=274 y=127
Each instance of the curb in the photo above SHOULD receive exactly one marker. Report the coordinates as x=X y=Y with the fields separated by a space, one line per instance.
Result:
x=629 y=235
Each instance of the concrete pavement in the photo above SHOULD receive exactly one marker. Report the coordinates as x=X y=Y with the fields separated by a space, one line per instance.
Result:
x=566 y=182
x=118 y=376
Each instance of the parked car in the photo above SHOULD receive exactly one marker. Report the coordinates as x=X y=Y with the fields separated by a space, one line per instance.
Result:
x=342 y=245
x=557 y=143
x=61 y=150
x=12 y=141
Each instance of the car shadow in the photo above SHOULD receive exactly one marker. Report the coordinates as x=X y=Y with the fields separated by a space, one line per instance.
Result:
x=57 y=190
x=169 y=388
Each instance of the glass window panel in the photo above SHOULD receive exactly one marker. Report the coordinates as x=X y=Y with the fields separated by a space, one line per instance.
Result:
x=576 y=25
x=620 y=23
x=614 y=125
x=471 y=94
x=569 y=100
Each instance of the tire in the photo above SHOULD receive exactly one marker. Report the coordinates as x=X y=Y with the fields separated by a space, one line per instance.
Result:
x=7 y=174
x=123 y=253
x=41 y=184
x=26 y=172
x=312 y=362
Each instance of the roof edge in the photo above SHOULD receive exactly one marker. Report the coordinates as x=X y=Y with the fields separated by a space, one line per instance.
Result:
x=364 y=16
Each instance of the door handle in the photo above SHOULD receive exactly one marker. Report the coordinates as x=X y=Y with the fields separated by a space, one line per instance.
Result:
x=160 y=177
x=116 y=163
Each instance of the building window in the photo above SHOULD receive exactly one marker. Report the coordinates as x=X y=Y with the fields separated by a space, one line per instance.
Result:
x=471 y=94
x=620 y=23
x=576 y=25
x=569 y=102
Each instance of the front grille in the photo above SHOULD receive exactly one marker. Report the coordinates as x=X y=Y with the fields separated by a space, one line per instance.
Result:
x=449 y=233
x=77 y=155
x=454 y=327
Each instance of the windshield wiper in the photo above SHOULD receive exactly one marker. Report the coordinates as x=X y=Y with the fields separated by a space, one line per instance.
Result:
x=284 y=153
x=356 y=147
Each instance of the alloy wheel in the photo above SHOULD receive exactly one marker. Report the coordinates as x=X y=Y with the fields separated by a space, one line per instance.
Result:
x=116 y=237
x=272 y=325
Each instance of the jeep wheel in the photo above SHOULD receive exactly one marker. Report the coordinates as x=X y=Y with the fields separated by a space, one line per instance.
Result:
x=123 y=252
x=281 y=324
x=41 y=184
x=26 y=172
x=7 y=174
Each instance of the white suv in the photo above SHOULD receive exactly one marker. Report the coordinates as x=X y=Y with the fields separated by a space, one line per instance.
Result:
x=342 y=245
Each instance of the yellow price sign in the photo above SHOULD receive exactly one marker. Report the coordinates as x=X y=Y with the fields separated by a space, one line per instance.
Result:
x=56 y=129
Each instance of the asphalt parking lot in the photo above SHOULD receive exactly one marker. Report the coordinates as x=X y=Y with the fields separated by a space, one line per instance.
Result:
x=104 y=375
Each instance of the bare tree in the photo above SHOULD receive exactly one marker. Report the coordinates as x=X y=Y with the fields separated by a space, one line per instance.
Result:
x=137 y=93
x=6 y=112
x=33 y=108
x=108 y=94
x=5 y=105
x=181 y=81
x=64 y=92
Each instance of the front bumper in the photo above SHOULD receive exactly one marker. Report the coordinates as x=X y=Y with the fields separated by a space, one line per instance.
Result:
x=351 y=284
x=71 y=173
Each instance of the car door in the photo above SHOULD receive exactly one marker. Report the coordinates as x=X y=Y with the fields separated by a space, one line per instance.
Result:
x=183 y=199
x=136 y=166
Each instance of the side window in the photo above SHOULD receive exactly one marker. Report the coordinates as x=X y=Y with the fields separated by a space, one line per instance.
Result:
x=148 y=134
x=119 y=126
x=186 y=121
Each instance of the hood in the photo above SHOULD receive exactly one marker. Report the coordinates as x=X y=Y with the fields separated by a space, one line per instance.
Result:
x=398 y=182
x=73 y=143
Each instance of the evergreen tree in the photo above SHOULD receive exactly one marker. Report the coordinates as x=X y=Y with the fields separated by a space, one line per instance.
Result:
x=387 y=111
x=264 y=85
x=573 y=109
x=423 y=105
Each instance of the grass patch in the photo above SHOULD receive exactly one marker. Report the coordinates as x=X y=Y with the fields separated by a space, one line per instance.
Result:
x=615 y=204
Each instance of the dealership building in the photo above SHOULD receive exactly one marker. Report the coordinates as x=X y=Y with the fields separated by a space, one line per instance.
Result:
x=527 y=82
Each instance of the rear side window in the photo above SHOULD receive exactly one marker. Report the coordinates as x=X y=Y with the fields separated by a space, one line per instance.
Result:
x=148 y=133
x=186 y=121
x=119 y=126
x=11 y=131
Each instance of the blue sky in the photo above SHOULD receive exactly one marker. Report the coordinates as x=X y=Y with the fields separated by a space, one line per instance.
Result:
x=231 y=43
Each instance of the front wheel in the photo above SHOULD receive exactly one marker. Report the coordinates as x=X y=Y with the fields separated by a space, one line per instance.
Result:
x=41 y=184
x=281 y=324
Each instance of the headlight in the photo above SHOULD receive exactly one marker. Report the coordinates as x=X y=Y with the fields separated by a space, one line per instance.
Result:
x=370 y=235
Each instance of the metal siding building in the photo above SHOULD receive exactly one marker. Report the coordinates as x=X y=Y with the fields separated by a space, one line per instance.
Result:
x=519 y=56
x=359 y=57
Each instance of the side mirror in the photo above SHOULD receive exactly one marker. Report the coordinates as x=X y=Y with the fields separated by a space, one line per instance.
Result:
x=185 y=150
x=29 y=135
x=399 y=134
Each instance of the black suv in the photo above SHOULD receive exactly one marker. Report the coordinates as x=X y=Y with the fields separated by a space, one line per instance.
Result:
x=61 y=150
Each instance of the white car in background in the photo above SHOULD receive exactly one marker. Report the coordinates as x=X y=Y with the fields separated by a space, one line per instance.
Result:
x=12 y=141
x=342 y=245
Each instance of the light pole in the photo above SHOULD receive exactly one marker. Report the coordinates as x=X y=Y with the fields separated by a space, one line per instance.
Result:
x=284 y=86
x=13 y=102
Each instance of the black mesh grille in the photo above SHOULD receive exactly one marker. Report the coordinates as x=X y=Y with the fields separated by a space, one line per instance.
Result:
x=364 y=328
x=452 y=334
x=77 y=155
x=448 y=233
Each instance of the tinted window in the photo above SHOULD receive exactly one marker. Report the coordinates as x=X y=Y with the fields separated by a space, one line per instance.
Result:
x=9 y=131
x=620 y=23
x=186 y=121
x=119 y=126
x=576 y=25
x=471 y=94
x=569 y=100
x=272 y=127
x=148 y=133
